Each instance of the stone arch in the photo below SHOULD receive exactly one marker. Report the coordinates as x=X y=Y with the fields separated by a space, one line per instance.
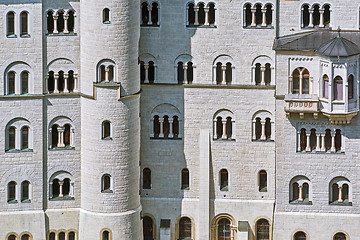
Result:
x=61 y=64
x=166 y=122
x=106 y=70
x=224 y=127
x=263 y=126
x=177 y=225
x=153 y=222
x=214 y=225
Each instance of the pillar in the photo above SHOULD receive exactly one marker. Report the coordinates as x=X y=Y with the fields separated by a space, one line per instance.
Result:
x=207 y=16
x=72 y=137
x=56 y=78
x=321 y=18
x=300 y=193
x=61 y=183
x=263 y=11
x=262 y=69
x=146 y=66
x=50 y=138
x=224 y=136
x=215 y=129
x=272 y=136
x=196 y=10
x=106 y=74
x=308 y=148
x=223 y=73
x=152 y=127
x=253 y=22
x=72 y=189
x=55 y=17
x=185 y=67
x=254 y=129
x=299 y=141
x=149 y=9
x=50 y=190
x=76 y=83
x=340 y=194
x=263 y=136
x=61 y=137
x=161 y=121
x=311 y=11
x=66 y=17
x=171 y=134
x=318 y=148
x=323 y=148
x=332 y=149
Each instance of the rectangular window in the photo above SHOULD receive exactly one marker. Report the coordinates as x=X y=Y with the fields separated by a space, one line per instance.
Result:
x=326 y=88
x=11 y=24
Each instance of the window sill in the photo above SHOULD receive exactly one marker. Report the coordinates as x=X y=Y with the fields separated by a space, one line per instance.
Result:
x=11 y=36
x=106 y=22
x=12 y=201
x=185 y=188
x=25 y=36
x=107 y=191
x=336 y=203
x=107 y=138
x=263 y=189
x=224 y=140
x=163 y=138
x=321 y=152
x=61 y=148
x=259 y=27
x=224 y=189
x=65 y=198
x=151 y=26
x=61 y=34
x=18 y=151
x=297 y=202
x=266 y=140
x=200 y=26
x=26 y=201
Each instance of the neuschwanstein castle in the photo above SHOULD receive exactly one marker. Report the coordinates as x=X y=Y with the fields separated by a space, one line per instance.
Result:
x=179 y=120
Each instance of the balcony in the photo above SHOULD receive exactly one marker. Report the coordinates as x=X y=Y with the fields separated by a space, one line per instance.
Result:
x=301 y=104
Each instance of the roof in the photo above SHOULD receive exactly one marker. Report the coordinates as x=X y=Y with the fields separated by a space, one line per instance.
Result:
x=325 y=42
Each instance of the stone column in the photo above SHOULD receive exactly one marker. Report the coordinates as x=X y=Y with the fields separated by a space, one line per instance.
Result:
x=72 y=194
x=61 y=183
x=185 y=67
x=56 y=77
x=152 y=127
x=318 y=147
x=61 y=137
x=66 y=76
x=72 y=137
x=300 y=193
x=107 y=74
x=196 y=10
x=308 y=148
x=215 y=129
x=224 y=136
x=290 y=84
x=300 y=84
x=254 y=129
x=272 y=136
x=253 y=18
x=66 y=17
x=311 y=11
x=340 y=194
x=299 y=140
x=223 y=73
x=149 y=10
x=50 y=138
x=171 y=134
x=76 y=85
x=207 y=16
x=146 y=66
x=262 y=69
x=321 y=18
x=55 y=17
x=161 y=121
x=332 y=149
x=323 y=148
x=50 y=190
x=263 y=11
x=263 y=136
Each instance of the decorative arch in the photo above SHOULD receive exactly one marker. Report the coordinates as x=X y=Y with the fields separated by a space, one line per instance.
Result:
x=223 y=70
x=12 y=236
x=300 y=190
x=106 y=71
x=61 y=186
x=231 y=227
x=23 y=236
x=166 y=120
x=13 y=78
x=300 y=235
x=185 y=227
x=262 y=70
x=61 y=133
x=224 y=125
x=15 y=137
x=340 y=191
x=263 y=228
x=106 y=234
x=185 y=69
x=340 y=235
x=62 y=76
x=148 y=68
x=263 y=126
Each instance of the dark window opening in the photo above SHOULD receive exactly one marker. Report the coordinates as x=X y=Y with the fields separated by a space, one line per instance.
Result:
x=67 y=133
x=166 y=126
x=351 y=87
x=12 y=191
x=257 y=128
x=185 y=179
x=262 y=181
x=142 y=72
x=25 y=191
x=24 y=137
x=155 y=14
x=54 y=136
x=302 y=139
x=10 y=24
x=338 y=139
x=185 y=228
x=190 y=73
x=306 y=16
x=60 y=21
x=156 y=126
x=224 y=182
x=146 y=178
x=228 y=127
x=248 y=15
x=105 y=235
x=191 y=14
x=11 y=138
x=106 y=130
x=180 y=73
x=257 y=74
x=305 y=191
x=66 y=187
x=61 y=82
x=55 y=188
x=71 y=81
x=267 y=74
x=50 y=22
x=258 y=15
x=340 y=236
x=295 y=191
x=71 y=21
x=313 y=139
x=228 y=73
x=267 y=128
x=201 y=14
x=176 y=126
x=24 y=82
x=218 y=73
x=224 y=232
x=327 y=16
x=300 y=236
x=106 y=183
x=151 y=72
x=61 y=236
x=51 y=82
x=71 y=236
x=305 y=81
x=11 y=81
x=148 y=228
x=211 y=14
x=24 y=24
x=144 y=13
x=219 y=127
x=316 y=16
x=106 y=15
x=262 y=230
x=268 y=15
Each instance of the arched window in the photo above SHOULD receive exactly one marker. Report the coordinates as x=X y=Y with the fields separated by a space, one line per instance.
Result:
x=351 y=87
x=313 y=139
x=155 y=14
x=144 y=13
x=257 y=128
x=262 y=181
x=106 y=70
x=61 y=186
x=212 y=14
x=106 y=235
x=106 y=15
x=303 y=139
x=185 y=228
x=71 y=81
x=60 y=81
x=300 y=190
x=60 y=21
x=185 y=179
x=24 y=82
x=305 y=191
x=166 y=126
x=25 y=191
x=326 y=15
x=12 y=192
x=61 y=236
x=11 y=24
x=228 y=74
x=325 y=86
x=345 y=192
x=295 y=191
x=106 y=183
x=248 y=15
x=299 y=236
x=142 y=72
x=327 y=139
x=258 y=14
x=25 y=237
x=201 y=14
x=156 y=126
x=305 y=16
x=151 y=72
x=191 y=14
x=224 y=232
x=268 y=15
x=268 y=128
x=71 y=236
x=12 y=237
x=262 y=126
x=148 y=228
x=106 y=130
x=338 y=88
x=67 y=134
x=176 y=126
x=267 y=74
x=11 y=82
x=50 y=22
x=190 y=73
x=218 y=73
x=71 y=21
x=305 y=81
x=54 y=135
x=25 y=137
x=180 y=73
x=296 y=81
x=257 y=74
x=262 y=229
x=339 y=236
x=224 y=180
x=228 y=127
x=66 y=187
x=55 y=188
x=340 y=191
x=51 y=82
x=11 y=140
x=337 y=140
x=146 y=178
x=316 y=15
x=24 y=24
x=52 y=236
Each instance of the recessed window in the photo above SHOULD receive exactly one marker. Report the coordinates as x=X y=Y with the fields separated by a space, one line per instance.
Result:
x=11 y=24
x=299 y=236
x=224 y=180
x=224 y=231
x=106 y=235
x=262 y=229
x=106 y=15
x=25 y=191
x=12 y=237
x=24 y=24
x=148 y=228
x=262 y=181
x=25 y=237
x=185 y=179
x=146 y=178
x=351 y=87
x=339 y=236
x=11 y=82
x=12 y=192
x=338 y=88
x=185 y=228
x=106 y=184
x=12 y=138
x=106 y=130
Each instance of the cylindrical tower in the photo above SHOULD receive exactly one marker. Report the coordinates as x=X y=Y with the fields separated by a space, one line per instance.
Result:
x=110 y=131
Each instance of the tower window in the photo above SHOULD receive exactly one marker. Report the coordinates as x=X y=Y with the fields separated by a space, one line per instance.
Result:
x=24 y=24
x=185 y=228
x=24 y=82
x=146 y=178
x=224 y=180
x=106 y=130
x=185 y=179
x=299 y=236
x=25 y=191
x=24 y=137
x=338 y=88
x=12 y=192
x=50 y=22
x=148 y=228
x=106 y=184
x=12 y=138
x=224 y=232
x=262 y=181
x=106 y=15
x=11 y=82
x=351 y=87
x=11 y=24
